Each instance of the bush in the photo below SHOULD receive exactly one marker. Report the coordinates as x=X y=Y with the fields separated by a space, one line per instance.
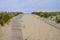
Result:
x=1 y=22
x=5 y=17
x=58 y=19
x=58 y=13
x=48 y=14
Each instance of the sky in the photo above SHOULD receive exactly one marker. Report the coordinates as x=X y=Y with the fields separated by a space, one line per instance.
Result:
x=28 y=6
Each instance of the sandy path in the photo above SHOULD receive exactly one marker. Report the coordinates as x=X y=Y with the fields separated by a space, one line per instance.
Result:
x=5 y=32
x=35 y=29
x=12 y=31
x=28 y=28
x=16 y=32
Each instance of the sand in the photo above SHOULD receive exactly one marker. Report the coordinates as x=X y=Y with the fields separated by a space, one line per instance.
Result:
x=5 y=32
x=11 y=31
x=28 y=27
x=35 y=29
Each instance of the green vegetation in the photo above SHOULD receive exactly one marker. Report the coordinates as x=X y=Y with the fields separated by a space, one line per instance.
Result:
x=58 y=19
x=6 y=16
x=49 y=14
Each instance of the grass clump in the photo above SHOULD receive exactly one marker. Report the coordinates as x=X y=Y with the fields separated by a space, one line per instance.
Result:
x=5 y=17
x=49 y=14
x=58 y=19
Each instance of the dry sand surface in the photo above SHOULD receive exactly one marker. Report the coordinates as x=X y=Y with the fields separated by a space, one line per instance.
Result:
x=35 y=29
x=11 y=31
x=28 y=28
x=5 y=32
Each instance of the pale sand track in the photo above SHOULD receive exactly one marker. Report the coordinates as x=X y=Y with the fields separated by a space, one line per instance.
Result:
x=12 y=31
x=35 y=29
x=5 y=32
x=29 y=28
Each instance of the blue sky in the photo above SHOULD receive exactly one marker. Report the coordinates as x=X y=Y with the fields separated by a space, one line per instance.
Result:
x=28 y=6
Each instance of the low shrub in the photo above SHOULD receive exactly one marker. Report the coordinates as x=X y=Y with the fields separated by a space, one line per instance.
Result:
x=5 y=17
x=58 y=19
x=49 y=14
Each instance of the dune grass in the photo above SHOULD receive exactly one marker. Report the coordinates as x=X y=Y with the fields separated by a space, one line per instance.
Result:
x=58 y=19
x=49 y=14
x=5 y=17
